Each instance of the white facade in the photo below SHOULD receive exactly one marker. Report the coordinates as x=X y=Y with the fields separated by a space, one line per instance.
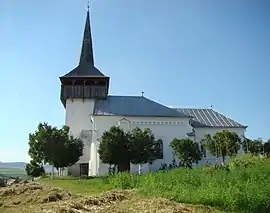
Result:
x=199 y=135
x=80 y=118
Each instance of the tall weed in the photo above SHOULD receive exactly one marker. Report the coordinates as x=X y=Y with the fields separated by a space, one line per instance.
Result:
x=242 y=187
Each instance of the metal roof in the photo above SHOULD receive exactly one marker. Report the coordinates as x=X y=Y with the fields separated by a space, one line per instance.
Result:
x=208 y=118
x=134 y=106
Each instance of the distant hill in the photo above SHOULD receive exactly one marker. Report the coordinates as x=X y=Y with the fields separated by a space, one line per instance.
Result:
x=12 y=164
x=20 y=165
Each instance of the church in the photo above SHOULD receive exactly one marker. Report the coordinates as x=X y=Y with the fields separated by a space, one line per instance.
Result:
x=90 y=111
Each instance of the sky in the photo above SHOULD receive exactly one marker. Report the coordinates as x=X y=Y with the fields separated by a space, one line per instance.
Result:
x=182 y=53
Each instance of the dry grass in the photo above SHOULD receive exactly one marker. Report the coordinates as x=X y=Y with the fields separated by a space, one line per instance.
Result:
x=28 y=195
x=36 y=197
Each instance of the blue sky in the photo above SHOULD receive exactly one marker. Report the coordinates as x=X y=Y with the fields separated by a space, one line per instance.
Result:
x=180 y=53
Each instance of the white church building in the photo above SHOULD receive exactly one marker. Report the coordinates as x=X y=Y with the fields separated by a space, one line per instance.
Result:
x=90 y=111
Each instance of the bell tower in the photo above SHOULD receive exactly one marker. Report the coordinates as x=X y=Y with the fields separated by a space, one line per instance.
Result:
x=80 y=89
x=85 y=81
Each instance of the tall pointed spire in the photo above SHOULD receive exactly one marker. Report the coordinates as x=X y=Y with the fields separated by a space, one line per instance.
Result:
x=87 y=48
x=85 y=81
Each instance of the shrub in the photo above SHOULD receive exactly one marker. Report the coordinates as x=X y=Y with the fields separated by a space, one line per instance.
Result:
x=243 y=160
x=124 y=180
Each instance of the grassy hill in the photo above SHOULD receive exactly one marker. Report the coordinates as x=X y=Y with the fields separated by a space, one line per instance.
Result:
x=13 y=172
x=16 y=169
x=242 y=186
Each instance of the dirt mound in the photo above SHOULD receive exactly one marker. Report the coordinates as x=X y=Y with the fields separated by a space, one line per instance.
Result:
x=31 y=193
x=100 y=203
x=120 y=201
x=56 y=195
x=17 y=189
x=35 y=197
x=153 y=205
x=109 y=197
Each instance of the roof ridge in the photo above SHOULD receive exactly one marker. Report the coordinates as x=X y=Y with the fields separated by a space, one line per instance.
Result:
x=137 y=96
x=191 y=108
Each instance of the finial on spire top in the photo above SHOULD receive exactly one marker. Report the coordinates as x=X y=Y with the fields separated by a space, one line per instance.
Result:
x=88 y=5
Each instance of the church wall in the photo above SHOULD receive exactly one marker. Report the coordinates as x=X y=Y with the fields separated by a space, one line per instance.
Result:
x=163 y=127
x=78 y=118
x=201 y=131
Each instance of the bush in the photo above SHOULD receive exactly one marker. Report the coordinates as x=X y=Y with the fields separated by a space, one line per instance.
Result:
x=243 y=160
x=124 y=180
x=246 y=188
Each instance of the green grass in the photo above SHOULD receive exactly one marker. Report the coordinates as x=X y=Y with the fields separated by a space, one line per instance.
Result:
x=239 y=189
x=80 y=186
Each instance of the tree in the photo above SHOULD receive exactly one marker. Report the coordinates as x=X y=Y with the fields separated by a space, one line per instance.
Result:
x=186 y=150
x=224 y=143
x=266 y=148
x=121 y=148
x=253 y=147
x=54 y=146
x=33 y=169
x=114 y=148
x=144 y=147
x=260 y=146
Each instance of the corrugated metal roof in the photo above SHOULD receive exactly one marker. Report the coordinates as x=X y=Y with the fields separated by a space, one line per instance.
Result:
x=134 y=106
x=208 y=118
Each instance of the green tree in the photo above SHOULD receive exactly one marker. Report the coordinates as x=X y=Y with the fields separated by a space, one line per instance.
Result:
x=144 y=147
x=260 y=145
x=224 y=143
x=33 y=169
x=254 y=147
x=120 y=148
x=266 y=148
x=186 y=150
x=54 y=146
x=114 y=148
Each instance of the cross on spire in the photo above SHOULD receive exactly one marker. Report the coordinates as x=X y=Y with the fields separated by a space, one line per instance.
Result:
x=88 y=5
x=85 y=81
x=86 y=66
x=87 y=48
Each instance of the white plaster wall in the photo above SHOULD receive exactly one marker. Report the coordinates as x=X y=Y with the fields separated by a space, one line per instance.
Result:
x=78 y=114
x=202 y=131
x=163 y=127
x=78 y=118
